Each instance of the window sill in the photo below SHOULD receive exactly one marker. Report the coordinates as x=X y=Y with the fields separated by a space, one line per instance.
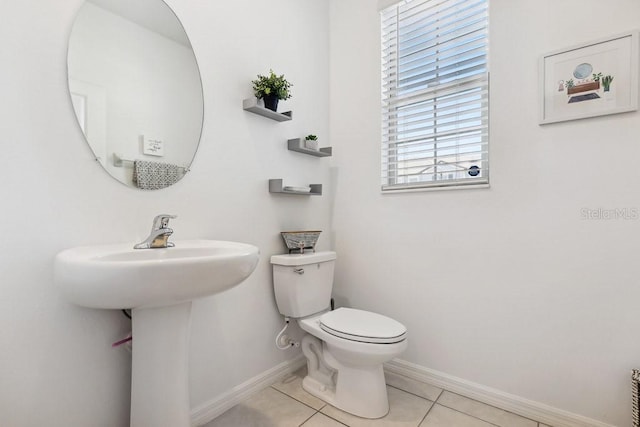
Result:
x=435 y=188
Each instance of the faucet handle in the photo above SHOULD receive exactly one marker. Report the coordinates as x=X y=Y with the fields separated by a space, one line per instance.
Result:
x=162 y=221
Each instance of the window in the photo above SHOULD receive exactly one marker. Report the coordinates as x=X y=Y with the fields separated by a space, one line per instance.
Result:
x=435 y=94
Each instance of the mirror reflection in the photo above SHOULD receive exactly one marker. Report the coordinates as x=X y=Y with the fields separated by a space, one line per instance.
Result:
x=136 y=90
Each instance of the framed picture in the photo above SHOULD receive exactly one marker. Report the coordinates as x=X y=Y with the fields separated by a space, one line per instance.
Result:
x=152 y=146
x=593 y=79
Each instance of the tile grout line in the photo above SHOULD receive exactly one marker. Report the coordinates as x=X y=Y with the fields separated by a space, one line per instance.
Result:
x=330 y=417
x=299 y=401
x=338 y=421
x=453 y=409
x=312 y=415
x=433 y=403
x=425 y=415
x=485 y=404
x=469 y=415
x=414 y=394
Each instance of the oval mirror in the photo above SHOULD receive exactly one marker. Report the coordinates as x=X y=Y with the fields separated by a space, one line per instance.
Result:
x=136 y=90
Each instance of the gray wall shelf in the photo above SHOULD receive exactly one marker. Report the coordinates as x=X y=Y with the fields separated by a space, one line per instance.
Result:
x=251 y=104
x=275 y=186
x=298 y=145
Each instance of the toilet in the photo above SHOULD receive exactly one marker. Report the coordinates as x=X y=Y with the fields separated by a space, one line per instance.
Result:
x=345 y=348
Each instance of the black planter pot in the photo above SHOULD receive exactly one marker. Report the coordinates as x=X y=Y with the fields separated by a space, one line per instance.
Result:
x=271 y=102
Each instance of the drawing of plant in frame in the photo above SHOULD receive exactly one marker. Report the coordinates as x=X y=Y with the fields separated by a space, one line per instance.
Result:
x=593 y=79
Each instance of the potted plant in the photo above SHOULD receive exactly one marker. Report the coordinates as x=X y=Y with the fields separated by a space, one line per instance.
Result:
x=271 y=88
x=311 y=142
x=606 y=82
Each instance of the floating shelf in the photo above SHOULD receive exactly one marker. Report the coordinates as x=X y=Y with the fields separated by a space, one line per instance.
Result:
x=298 y=145
x=251 y=104
x=275 y=186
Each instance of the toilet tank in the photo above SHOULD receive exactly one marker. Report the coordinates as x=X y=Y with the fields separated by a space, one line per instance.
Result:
x=302 y=282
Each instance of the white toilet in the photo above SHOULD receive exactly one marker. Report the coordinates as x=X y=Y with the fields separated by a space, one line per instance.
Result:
x=345 y=348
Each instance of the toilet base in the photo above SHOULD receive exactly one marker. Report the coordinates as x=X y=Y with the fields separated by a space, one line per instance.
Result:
x=358 y=392
x=363 y=392
x=319 y=390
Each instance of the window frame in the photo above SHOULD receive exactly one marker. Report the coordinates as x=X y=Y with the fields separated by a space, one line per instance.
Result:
x=391 y=180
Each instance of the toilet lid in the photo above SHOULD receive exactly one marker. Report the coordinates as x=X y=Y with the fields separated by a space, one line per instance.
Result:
x=362 y=326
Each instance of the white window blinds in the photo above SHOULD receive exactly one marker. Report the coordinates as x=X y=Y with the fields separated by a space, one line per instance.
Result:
x=435 y=94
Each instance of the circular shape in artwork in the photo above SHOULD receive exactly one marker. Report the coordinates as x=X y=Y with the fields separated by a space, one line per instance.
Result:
x=582 y=71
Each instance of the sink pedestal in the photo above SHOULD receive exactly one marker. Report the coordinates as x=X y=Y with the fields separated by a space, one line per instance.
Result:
x=160 y=370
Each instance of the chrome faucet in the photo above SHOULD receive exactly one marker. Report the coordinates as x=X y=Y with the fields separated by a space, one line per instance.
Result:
x=159 y=235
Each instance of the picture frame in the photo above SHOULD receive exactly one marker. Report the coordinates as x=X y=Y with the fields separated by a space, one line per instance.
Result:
x=152 y=146
x=593 y=79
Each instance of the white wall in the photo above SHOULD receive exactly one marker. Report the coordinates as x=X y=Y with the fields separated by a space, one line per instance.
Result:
x=56 y=362
x=507 y=287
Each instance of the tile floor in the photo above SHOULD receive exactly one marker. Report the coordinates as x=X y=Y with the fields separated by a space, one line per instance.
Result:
x=412 y=404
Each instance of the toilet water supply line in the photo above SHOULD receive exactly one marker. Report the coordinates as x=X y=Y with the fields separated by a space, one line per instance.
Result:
x=284 y=342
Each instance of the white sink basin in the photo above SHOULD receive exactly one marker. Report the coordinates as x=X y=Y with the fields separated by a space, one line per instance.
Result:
x=118 y=276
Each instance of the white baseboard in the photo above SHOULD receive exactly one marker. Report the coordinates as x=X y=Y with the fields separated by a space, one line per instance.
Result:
x=209 y=410
x=509 y=402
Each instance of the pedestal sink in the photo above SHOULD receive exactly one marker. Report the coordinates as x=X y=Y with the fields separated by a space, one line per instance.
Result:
x=158 y=285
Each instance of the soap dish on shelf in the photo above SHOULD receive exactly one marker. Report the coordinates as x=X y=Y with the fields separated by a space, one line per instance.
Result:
x=297 y=189
x=276 y=186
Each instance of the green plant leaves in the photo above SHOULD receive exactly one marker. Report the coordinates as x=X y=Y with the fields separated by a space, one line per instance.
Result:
x=272 y=84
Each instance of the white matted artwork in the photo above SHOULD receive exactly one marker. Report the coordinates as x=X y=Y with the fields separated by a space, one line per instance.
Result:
x=152 y=146
x=593 y=79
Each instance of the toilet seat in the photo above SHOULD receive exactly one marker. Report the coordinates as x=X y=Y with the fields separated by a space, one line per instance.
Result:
x=362 y=326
